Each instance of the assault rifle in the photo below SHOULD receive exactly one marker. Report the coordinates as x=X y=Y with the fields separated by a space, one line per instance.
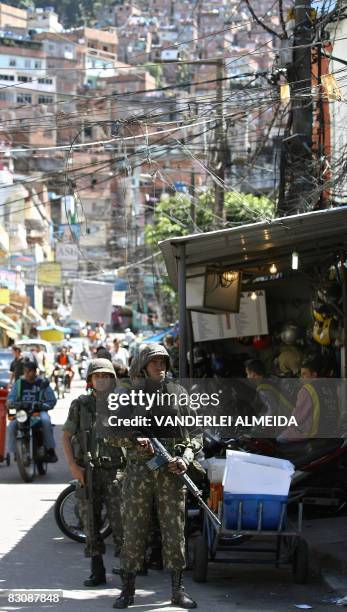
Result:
x=86 y=490
x=162 y=457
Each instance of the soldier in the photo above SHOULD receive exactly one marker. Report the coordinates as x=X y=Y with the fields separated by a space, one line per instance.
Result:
x=108 y=462
x=163 y=487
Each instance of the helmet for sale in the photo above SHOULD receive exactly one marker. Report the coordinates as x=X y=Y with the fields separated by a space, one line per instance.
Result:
x=100 y=365
x=149 y=351
x=261 y=342
x=290 y=333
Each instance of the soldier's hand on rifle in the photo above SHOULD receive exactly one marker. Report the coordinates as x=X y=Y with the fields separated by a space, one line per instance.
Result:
x=77 y=472
x=145 y=444
x=177 y=466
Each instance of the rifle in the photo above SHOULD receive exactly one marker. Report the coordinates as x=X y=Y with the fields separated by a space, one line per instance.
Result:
x=86 y=490
x=162 y=457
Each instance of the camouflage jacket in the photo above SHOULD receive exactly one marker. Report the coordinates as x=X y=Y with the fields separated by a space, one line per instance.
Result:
x=183 y=443
x=103 y=453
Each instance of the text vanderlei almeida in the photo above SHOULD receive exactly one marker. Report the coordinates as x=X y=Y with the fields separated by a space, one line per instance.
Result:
x=194 y=401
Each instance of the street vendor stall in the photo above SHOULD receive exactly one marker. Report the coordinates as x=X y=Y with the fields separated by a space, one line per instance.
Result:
x=271 y=295
x=52 y=333
x=259 y=279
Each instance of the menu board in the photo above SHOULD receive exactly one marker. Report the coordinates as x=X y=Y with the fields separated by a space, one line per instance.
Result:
x=250 y=321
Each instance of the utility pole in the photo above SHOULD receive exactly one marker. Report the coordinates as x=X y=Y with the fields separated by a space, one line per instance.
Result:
x=221 y=144
x=298 y=195
x=221 y=147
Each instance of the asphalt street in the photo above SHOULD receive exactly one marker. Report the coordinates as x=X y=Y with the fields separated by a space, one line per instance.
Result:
x=34 y=554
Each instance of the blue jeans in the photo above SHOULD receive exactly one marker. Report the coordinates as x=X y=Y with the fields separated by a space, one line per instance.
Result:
x=47 y=431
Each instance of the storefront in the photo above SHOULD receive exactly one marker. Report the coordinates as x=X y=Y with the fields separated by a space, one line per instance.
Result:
x=275 y=290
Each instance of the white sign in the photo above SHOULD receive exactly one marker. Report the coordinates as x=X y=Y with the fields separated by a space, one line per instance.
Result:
x=92 y=301
x=250 y=321
x=67 y=255
x=118 y=298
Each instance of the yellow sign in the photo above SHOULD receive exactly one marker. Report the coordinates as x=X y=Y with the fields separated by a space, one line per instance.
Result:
x=49 y=274
x=4 y=295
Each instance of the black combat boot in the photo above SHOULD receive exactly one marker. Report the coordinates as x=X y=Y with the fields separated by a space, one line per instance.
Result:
x=98 y=574
x=179 y=596
x=126 y=598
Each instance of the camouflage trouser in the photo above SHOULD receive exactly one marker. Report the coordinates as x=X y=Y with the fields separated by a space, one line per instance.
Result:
x=107 y=489
x=140 y=488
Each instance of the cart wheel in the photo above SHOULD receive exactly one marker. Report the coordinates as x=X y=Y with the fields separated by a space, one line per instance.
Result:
x=8 y=459
x=200 y=563
x=300 y=562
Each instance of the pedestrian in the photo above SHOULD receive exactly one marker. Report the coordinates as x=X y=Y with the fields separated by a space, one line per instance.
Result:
x=108 y=464
x=161 y=487
x=119 y=354
x=32 y=388
x=16 y=366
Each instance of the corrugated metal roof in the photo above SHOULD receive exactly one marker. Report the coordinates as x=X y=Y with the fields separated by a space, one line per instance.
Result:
x=311 y=234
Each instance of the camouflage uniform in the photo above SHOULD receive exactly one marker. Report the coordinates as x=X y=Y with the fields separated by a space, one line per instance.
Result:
x=142 y=487
x=107 y=475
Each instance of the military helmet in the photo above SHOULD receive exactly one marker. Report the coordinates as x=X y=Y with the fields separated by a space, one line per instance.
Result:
x=100 y=365
x=149 y=351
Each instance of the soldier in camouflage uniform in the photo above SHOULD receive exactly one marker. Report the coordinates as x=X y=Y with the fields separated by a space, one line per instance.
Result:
x=108 y=469
x=162 y=486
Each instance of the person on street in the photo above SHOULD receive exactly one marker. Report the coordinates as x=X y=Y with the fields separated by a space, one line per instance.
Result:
x=269 y=400
x=64 y=360
x=16 y=366
x=316 y=410
x=108 y=464
x=32 y=388
x=119 y=354
x=163 y=487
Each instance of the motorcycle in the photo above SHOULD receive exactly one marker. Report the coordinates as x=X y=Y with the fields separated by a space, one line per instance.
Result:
x=61 y=380
x=320 y=476
x=67 y=517
x=83 y=367
x=30 y=449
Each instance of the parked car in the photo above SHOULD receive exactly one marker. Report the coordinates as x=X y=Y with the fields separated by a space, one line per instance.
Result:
x=5 y=361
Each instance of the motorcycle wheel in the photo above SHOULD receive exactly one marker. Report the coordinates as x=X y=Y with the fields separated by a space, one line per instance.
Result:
x=25 y=460
x=67 y=516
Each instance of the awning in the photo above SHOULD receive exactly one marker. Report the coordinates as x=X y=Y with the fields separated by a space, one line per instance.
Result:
x=249 y=246
x=12 y=329
x=161 y=335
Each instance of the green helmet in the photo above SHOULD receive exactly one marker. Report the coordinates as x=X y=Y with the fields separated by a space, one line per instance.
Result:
x=149 y=351
x=100 y=365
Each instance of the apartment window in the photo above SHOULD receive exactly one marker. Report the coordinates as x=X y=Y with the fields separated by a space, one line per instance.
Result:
x=46 y=81
x=51 y=47
x=27 y=63
x=38 y=64
x=6 y=77
x=105 y=48
x=88 y=132
x=45 y=100
x=12 y=61
x=24 y=79
x=24 y=99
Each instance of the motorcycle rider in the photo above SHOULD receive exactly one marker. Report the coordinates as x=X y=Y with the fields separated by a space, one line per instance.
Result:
x=64 y=360
x=32 y=388
x=108 y=463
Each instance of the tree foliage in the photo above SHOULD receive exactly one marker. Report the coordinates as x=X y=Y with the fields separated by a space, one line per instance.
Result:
x=172 y=217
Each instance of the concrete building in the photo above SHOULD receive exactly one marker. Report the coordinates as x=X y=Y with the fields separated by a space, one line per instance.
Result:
x=12 y=17
x=44 y=20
